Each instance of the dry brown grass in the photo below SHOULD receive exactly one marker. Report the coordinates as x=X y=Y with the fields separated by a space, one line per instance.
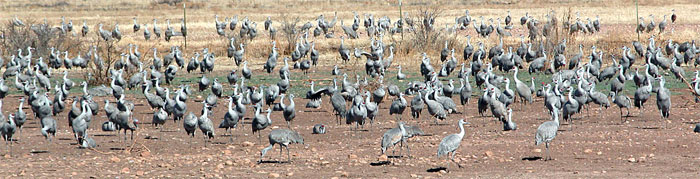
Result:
x=618 y=19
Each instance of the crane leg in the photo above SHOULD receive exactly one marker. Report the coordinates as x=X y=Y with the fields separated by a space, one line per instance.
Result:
x=289 y=157
x=453 y=159
x=546 y=149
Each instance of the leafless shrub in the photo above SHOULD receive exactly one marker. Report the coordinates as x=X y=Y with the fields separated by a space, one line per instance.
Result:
x=290 y=31
x=39 y=36
x=425 y=35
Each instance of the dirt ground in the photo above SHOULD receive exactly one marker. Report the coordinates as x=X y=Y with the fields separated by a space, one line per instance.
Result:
x=599 y=145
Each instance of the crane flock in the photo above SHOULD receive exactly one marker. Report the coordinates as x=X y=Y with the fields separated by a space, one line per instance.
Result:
x=353 y=101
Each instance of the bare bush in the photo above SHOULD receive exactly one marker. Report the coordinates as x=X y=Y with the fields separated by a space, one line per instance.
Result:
x=289 y=28
x=425 y=36
x=41 y=37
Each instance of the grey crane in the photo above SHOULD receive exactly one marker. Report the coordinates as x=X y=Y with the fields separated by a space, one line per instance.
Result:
x=216 y=88
x=357 y=112
x=344 y=51
x=271 y=59
x=618 y=83
x=261 y=122
x=20 y=116
x=571 y=107
x=451 y=143
x=289 y=111
x=179 y=108
x=194 y=63
x=230 y=119
x=203 y=83
x=393 y=136
x=336 y=71
x=663 y=99
x=85 y=29
x=598 y=98
x=105 y=35
x=48 y=128
x=372 y=108
x=622 y=101
x=153 y=100
x=232 y=77
x=238 y=55
x=435 y=109
x=465 y=91
x=245 y=71
x=393 y=90
x=399 y=75
x=8 y=129
x=642 y=94
x=156 y=29
x=115 y=32
x=283 y=137
x=338 y=102
x=508 y=124
x=524 y=92
x=190 y=124
x=547 y=131
x=79 y=124
x=398 y=106
x=319 y=129
x=137 y=27
x=159 y=118
x=205 y=124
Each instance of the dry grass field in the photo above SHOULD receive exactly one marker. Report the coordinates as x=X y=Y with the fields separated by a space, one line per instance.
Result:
x=598 y=145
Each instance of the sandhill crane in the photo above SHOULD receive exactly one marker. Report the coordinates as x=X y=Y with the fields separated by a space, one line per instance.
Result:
x=203 y=83
x=663 y=99
x=137 y=27
x=393 y=136
x=319 y=129
x=547 y=131
x=522 y=89
x=508 y=124
x=451 y=143
x=435 y=109
x=651 y=25
x=7 y=130
x=156 y=29
x=115 y=32
x=106 y=35
x=622 y=101
x=289 y=111
x=283 y=137
x=398 y=106
x=261 y=122
x=85 y=29
x=571 y=107
x=230 y=119
x=205 y=124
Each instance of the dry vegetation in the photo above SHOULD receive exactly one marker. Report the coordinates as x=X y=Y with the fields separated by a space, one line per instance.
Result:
x=617 y=18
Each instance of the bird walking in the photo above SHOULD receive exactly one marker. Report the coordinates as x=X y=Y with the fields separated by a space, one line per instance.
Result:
x=451 y=143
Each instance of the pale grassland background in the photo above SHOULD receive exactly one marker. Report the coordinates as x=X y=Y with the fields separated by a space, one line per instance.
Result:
x=617 y=18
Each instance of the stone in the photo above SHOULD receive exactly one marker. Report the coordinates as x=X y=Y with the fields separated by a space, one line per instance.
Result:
x=488 y=153
x=382 y=158
x=229 y=162
x=115 y=159
x=247 y=144
x=633 y=160
x=145 y=154
x=344 y=174
x=273 y=175
x=227 y=152
x=352 y=156
x=125 y=170
x=290 y=174
x=414 y=176
x=537 y=150
x=139 y=173
x=588 y=151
